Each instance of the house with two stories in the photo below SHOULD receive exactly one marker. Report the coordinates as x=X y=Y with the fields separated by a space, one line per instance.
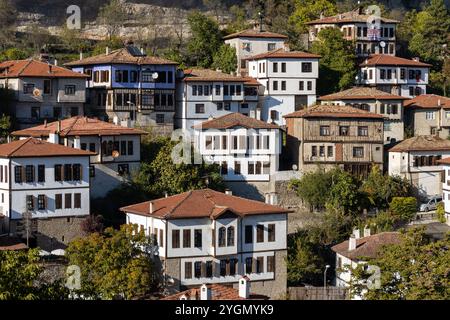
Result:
x=288 y=79
x=44 y=191
x=417 y=160
x=117 y=148
x=246 y=149
x=42 y=91
x=331 y=136
x=128 y=84
x=251 y=42
x=370 y=35
x=206 y=236
x=205 y=93
x=428 y=114
x=373 y=100
x=399 y=76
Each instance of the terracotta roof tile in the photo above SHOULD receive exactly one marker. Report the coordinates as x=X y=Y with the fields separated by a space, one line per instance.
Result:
x=235 y=120
x=252 y=33
x=350 y=16
x=120 y=56
x=367 y=247
x=361 y=93
x=32 y=147
x=218 y=292
x=211 y=75
x=33 y=68
x=422 y=143
x=319 y=111
x=428 y=101
x=202 y=203
x=444 y=161
x=387 y=60
x=11 y=243
x=78 y=126
x=281 y=53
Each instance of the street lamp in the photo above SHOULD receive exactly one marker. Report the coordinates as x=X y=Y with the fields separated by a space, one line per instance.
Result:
x=134 y=111
x=325 y=280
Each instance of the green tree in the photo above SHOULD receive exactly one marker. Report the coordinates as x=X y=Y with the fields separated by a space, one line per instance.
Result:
x=113 y=43
x=440 y=212
x=13 y=54
x=404 y=207
x=225 y=59
x=308 y=10
x=414 y=269
x=116 y=264
x=112 y=15
x=238 y=21
x=8 y=16
x=205 y=41
x=344 y=192
x=337 y=65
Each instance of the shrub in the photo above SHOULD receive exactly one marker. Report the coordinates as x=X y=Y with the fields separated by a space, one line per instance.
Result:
x=403 y=207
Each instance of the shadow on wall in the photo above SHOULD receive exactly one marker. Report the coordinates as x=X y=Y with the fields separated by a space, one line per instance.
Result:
x=247 y=190
x=104 y=181
x=47 y=243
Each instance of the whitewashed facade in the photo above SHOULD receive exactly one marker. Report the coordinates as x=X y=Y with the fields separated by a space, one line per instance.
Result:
x=446 y=188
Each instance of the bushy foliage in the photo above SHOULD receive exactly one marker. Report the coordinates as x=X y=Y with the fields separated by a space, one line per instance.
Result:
x=404 y=207
x=225 y=59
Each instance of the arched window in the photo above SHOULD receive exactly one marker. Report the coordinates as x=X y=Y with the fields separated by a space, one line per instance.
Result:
x=222 y=236
x=230 y=236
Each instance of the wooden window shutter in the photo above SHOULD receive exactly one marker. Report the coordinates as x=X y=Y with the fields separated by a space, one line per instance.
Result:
x=253 y=265
x=22 y=174
x=81 y=171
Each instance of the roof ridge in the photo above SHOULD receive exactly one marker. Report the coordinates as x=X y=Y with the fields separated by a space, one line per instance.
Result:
x=25 y=66
x=189 y=193
x=20 y=145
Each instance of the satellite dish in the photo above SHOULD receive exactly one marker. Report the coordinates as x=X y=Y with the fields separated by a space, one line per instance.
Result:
x=115 y=154
x=294 y=167
x=36 y=92
x=382 y=44
x=155 y=75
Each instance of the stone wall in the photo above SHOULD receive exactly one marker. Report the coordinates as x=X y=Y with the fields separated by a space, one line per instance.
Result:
x=173 y=270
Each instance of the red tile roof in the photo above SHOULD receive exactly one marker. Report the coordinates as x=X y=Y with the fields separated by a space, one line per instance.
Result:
x=428 y=101
x=78 y=126
x=120 y=56
x=11 y=243
x=211 y=75
x=281 y=53
x=367 y=247
x=361 y=93
x=33 y=68
x=345 y=17
x=387 y=60
x=32 y=147
x=236 y=119
x=422 y=143
x=218 y=292
x=326 y=111
x=444 y=161
x=204 y=203
x=252 y=33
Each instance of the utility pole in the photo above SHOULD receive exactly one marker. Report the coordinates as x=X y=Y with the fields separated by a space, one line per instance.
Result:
x=325 y=281
x=27 y=221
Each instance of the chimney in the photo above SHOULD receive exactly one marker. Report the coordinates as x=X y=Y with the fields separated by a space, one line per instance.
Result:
x=45 y=123
x=228 y=192
x=150 y=207
x=49 y=68
x=244 y=287
x=357 y=233
x=366 y=231
x=352 y=243
x=321 y=15
x=53 y=137
x=77 y=142
x=205 y=292
x=107 y=50
x=56 y=62
x=439 y=103
x=417 y=59
x=58 y=129
x=258 y=114
x=81 y=55
x=142 y=51
x=166 y=195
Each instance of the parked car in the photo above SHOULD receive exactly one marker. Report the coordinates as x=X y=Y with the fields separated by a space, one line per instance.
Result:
x=430 y=204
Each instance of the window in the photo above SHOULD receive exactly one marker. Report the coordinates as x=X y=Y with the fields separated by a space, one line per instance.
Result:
x=77 y=200
x=321 y=151
x=188 y=270
x=68 y=201
x=248 y=265
x=344 y=130
x=271 y=232
x=309 y=85
x=389 y=74
x=233 y=267
x=222 y=236
x=199 y=108
x=270 y=264
x=69 y=90
x=430 y=115
x=259 y=265
x=47 y=86
x=209 y=269
x=206 y=91
x=197 y=269
x=283 y=67
x=248 y=234
x=306 y=66
x=223 y=267
x=382 y=74
x=175 y=239
x=230 y=236
x=76 y=168
x=387 y=126
x=28 y=88
x=271 y=46
x=314 y=151
x=275 y=67
x=301 y=85
x=217 y=89
x=30 y=202
x=238 y=90
x=358 y=152
x=67 y=172
x=226 y=106
x=363 y=131
x=91 y=171
x=259 y=233
x=104 y=76
x=219 y=106
x=35 y=112
x=186 y=238
x=41 y=202
x=29 y=173
x=58 y=201
x=41 y=173
x=324 y=130
x=197 y=238
x=159 y=118
x=330 y=151
x=283 y=85
x=130 y=148
x=275 y=85
x=402 y=73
